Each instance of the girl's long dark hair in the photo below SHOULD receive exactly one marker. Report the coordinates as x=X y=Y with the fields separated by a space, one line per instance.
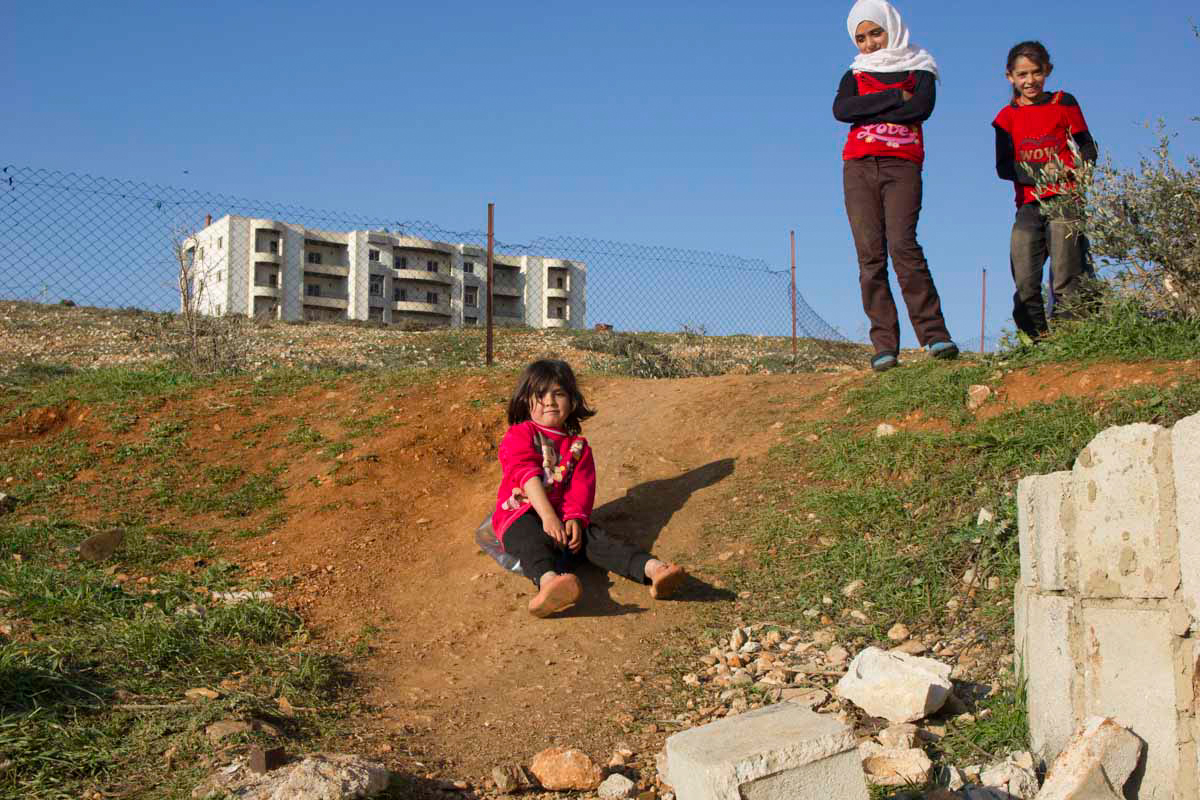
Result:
x=1035 y=51
x=537 y=378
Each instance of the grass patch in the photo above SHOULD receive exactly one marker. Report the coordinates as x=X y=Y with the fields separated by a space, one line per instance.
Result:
x=1118 y=331
x=92 y=679
x=42 y=385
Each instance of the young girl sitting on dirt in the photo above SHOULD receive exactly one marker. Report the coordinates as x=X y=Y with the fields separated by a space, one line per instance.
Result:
x=544 y=504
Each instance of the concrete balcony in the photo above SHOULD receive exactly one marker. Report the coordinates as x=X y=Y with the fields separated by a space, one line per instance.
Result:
x=555 y=322
x=261 y=257
x=336 y=270
x=507 y=314
x=506 y=291
x=556 y=292
x=441 y=309
x=327 y=300
x=264 y=290
x=422 y=275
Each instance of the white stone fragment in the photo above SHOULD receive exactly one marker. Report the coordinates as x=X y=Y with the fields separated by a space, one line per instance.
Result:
x=895 y=685
x=1095 y=764
x=616 y=787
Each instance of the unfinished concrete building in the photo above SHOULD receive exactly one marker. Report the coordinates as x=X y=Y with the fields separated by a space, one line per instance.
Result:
x=277 y=270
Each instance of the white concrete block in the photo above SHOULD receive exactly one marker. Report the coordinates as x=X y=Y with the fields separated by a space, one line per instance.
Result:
x=1044 y=539
x=1123 y=515
x=781 y=752
x=1185 y=451
x=1096 y=762
x=1130 y=664
x=1048 y=663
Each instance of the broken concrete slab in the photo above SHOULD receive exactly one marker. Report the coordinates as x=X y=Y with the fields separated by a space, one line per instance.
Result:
x=894 y=685
x=1014 y=777
x=1096 y=763
x=781 y=752
x=1185 y=447
x=1048 y=661
x=1041 y=529
x=1123 y=507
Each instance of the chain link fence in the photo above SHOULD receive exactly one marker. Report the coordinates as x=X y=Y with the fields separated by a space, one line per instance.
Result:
x=116 y=243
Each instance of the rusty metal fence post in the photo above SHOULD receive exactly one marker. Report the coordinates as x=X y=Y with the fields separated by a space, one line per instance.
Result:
x=983 y=316
x=491 y=243
x=792 y=236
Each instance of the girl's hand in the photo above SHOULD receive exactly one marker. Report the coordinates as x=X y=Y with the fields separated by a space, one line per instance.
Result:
x=907 y=95
x=574 y=535
x=554 y=528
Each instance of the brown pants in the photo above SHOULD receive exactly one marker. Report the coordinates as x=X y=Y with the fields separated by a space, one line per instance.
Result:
x=883 y=202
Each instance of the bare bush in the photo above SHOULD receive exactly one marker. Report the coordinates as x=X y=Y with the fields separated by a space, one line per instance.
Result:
x=210 y=342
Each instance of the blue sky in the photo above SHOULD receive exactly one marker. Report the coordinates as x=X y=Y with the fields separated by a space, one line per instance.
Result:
x=698 y=125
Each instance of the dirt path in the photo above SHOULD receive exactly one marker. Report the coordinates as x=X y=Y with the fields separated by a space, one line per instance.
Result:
x=458 y=667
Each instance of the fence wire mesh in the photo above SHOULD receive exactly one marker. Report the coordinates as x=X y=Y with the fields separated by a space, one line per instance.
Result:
x=117 y=243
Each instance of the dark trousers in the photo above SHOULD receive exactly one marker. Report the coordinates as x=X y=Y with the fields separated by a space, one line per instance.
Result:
x=883 y=202
x=539 y=554
x=1034 y=237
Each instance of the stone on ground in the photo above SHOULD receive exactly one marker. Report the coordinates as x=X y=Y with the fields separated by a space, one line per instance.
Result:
x=902 y=736
x=895 y=766
x=101 y=546
x=781 y=752
x=1096 y=763
x=894 y=685
x=885 y=429
x=616 y=787
x=324 y=776
x=7 y=503
x=511 y=778
x=560 y=768
x=977 y=395
x=1014 y=775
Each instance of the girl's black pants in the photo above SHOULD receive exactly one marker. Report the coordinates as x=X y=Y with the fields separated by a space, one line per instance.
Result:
x=539 y=554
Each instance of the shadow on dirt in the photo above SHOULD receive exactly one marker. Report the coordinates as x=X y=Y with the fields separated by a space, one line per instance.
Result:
x=640 y=517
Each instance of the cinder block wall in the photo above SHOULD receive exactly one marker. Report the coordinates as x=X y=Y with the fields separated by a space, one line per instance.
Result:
x=1108 y=603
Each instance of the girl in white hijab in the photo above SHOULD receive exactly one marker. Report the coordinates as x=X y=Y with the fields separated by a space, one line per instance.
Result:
x=886 y=96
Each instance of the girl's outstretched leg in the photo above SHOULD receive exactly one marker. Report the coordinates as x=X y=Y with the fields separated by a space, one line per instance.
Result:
x=616 y=555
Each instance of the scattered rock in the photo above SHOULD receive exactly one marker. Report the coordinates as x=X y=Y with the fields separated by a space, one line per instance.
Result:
x=896 y=767
x=1095 y=764
x=617 y=786
x=242 y=596
x=899 y=737
x=1014 y=775
x=324 y=776
x=737 y=639
x=913 y=647
x=559 y=768
x=228 y=727
x=853 y=588
x=101 y=546
x=895 y=686
x=885 y=429
x=200 y=693
x=977 y=395
x=837 y=655
x=511 y=778
x=190 y=610
x=898 y=632
x=8 y=503
x=261 y=761
x=986 y=517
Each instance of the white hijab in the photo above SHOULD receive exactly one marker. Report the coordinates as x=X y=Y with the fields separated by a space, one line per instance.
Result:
x=899 y=55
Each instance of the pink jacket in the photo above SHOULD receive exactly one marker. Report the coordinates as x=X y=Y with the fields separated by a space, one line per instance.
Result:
x=564 y=464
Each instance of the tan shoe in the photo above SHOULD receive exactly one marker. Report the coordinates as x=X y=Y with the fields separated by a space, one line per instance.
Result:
x=667 y=581
x=557 y=594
